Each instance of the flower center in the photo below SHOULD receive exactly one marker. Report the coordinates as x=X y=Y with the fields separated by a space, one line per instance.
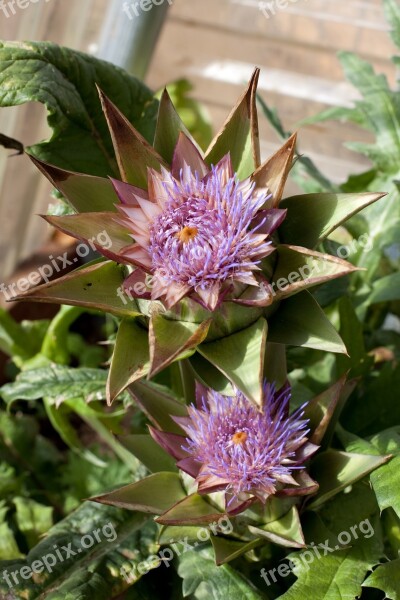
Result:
x=239 y=437
x=186 y=234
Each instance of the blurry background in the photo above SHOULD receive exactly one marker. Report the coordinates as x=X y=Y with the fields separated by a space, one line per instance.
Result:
x=215 y=44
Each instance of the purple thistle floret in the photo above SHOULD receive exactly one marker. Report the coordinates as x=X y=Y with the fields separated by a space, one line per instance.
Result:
x=253 y=450
x=198 y=231
x=203 y=236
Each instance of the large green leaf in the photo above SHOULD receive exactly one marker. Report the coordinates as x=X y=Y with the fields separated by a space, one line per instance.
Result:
x=345 y=541
x=312 y=217
x=94 y=543
x=203 y=580
x=386 y=578
x=300 y=321
x=64 y=80
x=338 y=575
x=240 y=357
x=98 y=286
x=57 y=382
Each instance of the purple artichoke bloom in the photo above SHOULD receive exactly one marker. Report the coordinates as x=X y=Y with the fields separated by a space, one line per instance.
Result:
x=249 y=452
x=199 y=231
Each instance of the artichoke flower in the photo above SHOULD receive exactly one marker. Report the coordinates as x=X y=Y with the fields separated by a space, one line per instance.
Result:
x=249 y=452
x=203 y=259
x=260 y=468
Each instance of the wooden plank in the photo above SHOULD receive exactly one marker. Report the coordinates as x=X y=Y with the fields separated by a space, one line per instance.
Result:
x=194 y=47
x=358 y=26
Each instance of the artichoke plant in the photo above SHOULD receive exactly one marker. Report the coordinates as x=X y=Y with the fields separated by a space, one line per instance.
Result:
x=206 y=263
x=203 y=258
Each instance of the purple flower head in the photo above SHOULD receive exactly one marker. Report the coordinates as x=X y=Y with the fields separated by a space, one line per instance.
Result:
x=203 y=238
x=198 y=231
x=250 y=452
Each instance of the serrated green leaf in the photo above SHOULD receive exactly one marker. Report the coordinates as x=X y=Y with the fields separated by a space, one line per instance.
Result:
x=203 y=580
x=385 y=481
x=116 y=542
x=57 y=382
x=386 y=578
x=392 y=14
x=334 y=576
